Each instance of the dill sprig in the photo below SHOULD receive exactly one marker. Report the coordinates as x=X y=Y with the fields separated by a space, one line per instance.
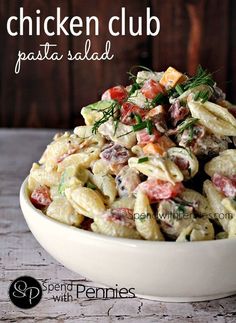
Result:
x=110 y=112
x=202 y=77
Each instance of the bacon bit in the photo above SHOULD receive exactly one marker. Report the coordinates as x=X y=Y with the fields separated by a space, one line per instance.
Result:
x=157 y=189
x=121 y=216
x=116 y=154
x=177 y=112
x=182 y=163
x=40 y=197
x=144 y=138
x=158 y=116
x=118 y=93
x=227 y=185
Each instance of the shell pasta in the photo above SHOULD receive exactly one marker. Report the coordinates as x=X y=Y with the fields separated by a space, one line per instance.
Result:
x=155 y=160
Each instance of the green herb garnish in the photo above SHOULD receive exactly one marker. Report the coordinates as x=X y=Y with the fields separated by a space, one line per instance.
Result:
x=108 y=113
x=202 y=77
x=202 y=96
x=187 y=123
x=140 y=126
x=149 y=127
x=159 y=99
x=91 y=185
x=142 y=160
x=138 y=118
x=179 y=89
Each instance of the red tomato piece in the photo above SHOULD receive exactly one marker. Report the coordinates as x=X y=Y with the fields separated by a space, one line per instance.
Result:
x=157 y=190
x=227 y=185
x=40 y=197
x=118 y=93
x=151 y=88
x=144 y=138
x=128 y=111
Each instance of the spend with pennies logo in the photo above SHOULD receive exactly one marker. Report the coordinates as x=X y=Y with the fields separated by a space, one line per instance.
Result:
x=25 y=292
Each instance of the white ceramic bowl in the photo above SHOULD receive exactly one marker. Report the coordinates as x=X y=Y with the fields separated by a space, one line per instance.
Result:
x=166 y=271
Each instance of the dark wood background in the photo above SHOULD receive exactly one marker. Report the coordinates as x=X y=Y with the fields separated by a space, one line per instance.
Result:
x=51 y=94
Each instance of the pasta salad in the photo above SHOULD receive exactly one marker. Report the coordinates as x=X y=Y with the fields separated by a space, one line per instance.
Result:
x=155 y=160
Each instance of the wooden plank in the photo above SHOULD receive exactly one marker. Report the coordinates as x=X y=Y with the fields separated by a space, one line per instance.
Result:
x=39 y=95
x=231 y=76
x=21 y=254
x=169 y=48
x=92 y=78
x=193 y=33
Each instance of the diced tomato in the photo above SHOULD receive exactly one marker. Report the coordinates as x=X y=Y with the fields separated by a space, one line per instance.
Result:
x=40 y=197
x=116 y=154
x=151 y=88
x=128 y=111
x=118 y=93
x=144 y=138
x=227 y=185
x=157 y=189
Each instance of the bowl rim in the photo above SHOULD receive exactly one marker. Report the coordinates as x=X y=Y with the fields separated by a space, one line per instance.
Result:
x=97 y=236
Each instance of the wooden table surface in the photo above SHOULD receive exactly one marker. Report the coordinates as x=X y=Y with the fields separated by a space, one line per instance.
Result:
x=21 y=254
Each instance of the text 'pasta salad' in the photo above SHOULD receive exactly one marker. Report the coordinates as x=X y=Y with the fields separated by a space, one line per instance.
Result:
x=156 y=160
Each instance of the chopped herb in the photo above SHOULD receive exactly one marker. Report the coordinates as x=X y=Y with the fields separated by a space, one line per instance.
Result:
x=139 y=126
x=197 y=96
x=191 y=133
x=91 y=185
x=135 y=86
x=159 y=99
x=202 y=77
x=142 y=160
x=149 y=127
x=179 y=89
x=124 y=134
x=116 y=126
x=138 y=118
x=187 y=123
x=202 y=96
